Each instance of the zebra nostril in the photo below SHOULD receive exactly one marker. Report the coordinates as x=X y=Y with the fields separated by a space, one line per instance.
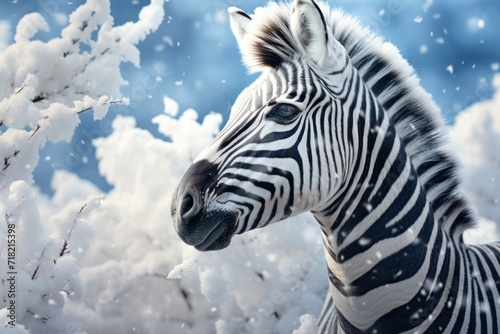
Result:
x=190 y=205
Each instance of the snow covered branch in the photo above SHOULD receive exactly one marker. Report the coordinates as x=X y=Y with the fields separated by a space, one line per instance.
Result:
x=44 y=86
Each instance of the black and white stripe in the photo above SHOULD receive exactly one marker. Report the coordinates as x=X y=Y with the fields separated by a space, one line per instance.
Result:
x=338 y=125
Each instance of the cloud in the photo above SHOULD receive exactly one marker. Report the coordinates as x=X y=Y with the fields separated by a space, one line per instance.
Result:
x=5 y=34
x=476 y=139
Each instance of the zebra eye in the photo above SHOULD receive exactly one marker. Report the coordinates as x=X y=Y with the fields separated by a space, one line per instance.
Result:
x=283 y=113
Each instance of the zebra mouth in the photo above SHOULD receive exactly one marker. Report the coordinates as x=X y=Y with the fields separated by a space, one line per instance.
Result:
x=221 y=226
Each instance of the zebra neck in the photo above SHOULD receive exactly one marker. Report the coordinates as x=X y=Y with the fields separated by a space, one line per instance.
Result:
x=377 y=235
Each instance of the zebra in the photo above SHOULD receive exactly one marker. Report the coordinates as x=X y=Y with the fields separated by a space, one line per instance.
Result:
x=337 y=124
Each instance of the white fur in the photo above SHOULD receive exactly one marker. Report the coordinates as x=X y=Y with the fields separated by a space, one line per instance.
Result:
x=306 y=24
x=238 y=24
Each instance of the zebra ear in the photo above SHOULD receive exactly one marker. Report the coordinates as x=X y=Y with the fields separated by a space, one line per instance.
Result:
x=309 y=28
x=239 y=21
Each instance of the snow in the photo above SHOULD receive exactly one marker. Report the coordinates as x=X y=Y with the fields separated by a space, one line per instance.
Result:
x=423 y=48
x=171 y=107
x=44 y=86
x=112 y=262
x=21 y=98
x=29 y=25
x=449 y=68
x=5 y=34
x=475 y=24
x=142 y=235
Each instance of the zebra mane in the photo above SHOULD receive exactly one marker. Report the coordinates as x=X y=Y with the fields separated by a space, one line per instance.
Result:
x=269 y=42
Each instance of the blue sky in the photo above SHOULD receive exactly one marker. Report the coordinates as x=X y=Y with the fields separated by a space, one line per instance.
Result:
x=453 y=45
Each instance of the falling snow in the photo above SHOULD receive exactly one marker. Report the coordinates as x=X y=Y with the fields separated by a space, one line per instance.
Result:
x=129 y=245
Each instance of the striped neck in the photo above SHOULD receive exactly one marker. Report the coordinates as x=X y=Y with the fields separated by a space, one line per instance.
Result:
x=377 y=231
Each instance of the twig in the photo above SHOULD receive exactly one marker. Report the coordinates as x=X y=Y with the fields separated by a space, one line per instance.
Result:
x=6 y=160
x=38 y=98
x=39 y=263
x=107 y=102
x=38 y=126
x=20 y=89
x=185 y=295
x=64 y=249
x=42 y=319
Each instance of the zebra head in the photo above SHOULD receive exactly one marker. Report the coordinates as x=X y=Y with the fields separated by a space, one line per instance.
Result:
x=277 y=153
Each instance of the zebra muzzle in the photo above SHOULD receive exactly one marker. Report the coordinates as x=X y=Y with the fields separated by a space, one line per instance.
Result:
x=205 y=229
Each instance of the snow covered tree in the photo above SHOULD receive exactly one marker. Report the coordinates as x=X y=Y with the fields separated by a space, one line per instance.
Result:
x=43 y=88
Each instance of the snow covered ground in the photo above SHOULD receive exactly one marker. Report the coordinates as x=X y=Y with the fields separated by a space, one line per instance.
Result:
x=112 y=263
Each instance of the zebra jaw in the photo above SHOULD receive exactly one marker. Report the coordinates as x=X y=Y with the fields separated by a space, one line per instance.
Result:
x=205 y=229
